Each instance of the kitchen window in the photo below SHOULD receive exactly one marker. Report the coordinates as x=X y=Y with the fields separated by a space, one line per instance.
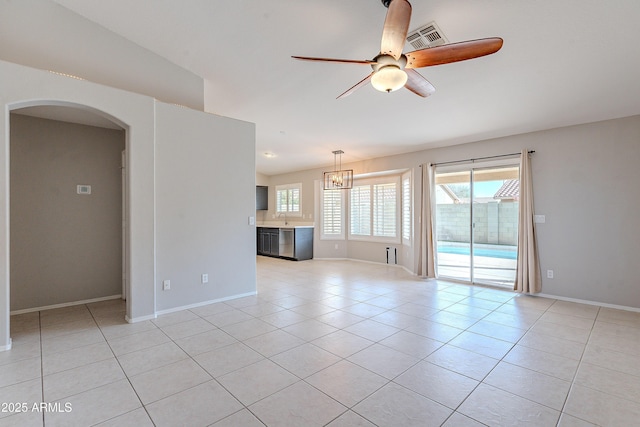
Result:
x=288 y=199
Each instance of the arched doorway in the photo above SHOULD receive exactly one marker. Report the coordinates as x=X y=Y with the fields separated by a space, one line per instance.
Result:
x=66 y=206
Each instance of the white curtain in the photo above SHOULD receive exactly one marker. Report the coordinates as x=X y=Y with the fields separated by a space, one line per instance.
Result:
x=528 y=278
x=427 y=264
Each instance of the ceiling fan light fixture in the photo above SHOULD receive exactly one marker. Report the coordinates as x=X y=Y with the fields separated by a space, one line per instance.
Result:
x=389 y=78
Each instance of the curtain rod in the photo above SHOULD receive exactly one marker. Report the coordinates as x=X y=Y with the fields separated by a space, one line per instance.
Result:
x=479 y=158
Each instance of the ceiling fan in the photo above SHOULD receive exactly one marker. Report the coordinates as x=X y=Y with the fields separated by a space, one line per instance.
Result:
x=393 y=70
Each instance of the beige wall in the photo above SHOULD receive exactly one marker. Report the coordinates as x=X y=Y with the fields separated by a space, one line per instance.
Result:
x=64 y=247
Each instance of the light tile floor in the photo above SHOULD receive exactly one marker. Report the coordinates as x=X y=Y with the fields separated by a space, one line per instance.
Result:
x=335 y=343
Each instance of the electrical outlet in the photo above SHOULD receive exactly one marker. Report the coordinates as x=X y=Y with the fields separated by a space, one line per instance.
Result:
x=205 y=278
x=166 y=285
x=549 y=274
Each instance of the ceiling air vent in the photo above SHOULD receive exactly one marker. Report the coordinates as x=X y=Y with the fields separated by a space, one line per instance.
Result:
x=429 y=35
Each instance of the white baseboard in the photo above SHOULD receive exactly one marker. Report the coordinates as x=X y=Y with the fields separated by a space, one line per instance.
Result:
x=582 y=301
x=66 y=304
x=6 y=347
x=200 y=304
x=139 y=319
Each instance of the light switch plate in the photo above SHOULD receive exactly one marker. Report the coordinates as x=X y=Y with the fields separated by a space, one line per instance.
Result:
x=539 y=219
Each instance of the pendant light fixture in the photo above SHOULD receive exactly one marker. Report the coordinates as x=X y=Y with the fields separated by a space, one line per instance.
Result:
x=338 y=179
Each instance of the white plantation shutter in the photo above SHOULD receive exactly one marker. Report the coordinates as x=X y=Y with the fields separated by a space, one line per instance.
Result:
x=361 y=210
x=384 y=210
x=293 y=200
x=281 y=201
x=375 y=209
x=288 y=199
x=406 y=208
x=332 y=217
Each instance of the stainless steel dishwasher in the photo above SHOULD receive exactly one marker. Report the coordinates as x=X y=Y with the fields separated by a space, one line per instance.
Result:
x=286 y=242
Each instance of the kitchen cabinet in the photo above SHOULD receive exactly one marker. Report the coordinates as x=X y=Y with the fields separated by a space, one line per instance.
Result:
x=269 y=241
x=262 y=198
x=295 y=243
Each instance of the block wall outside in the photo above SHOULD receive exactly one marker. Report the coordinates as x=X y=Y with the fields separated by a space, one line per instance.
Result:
x=495 y=223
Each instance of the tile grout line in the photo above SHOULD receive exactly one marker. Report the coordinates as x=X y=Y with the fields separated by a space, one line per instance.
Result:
x=573 y=379
x=123 y=372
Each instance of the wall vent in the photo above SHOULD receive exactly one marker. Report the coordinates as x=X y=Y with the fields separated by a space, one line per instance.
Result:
x=426 y=36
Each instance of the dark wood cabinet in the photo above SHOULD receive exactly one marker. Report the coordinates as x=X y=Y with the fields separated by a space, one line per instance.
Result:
x=268 y=241
x=272 y=241
x=262 y=198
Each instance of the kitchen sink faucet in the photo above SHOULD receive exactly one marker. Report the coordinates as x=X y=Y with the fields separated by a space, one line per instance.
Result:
x=285 y=217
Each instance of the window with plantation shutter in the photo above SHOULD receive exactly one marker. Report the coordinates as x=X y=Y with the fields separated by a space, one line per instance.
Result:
x=360 y=210
x=375 y=210
x=384 y=210
x=332 y=222
x=406 y=208
x=288 y=199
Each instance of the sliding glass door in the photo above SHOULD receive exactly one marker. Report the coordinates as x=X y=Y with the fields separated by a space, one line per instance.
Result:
x=477 y=224
x=453 y=219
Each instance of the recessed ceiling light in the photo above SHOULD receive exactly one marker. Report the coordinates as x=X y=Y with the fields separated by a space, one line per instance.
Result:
x=269 y=155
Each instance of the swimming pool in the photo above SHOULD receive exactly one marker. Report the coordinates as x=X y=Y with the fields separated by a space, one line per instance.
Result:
x=491 y=251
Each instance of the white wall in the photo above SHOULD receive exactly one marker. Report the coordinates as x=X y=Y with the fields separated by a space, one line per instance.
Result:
x=22 y=86
x=262 y=179
x=45 y=35
x=586 y=183
x=205 y=193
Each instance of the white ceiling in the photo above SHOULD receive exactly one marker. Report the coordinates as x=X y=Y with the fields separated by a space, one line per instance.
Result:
x=563 y=62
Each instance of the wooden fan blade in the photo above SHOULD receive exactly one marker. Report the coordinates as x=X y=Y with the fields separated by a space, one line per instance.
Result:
x=343 y=61
x=453 y=52
x=355 y=87
x=417 y=84
x=396 y=26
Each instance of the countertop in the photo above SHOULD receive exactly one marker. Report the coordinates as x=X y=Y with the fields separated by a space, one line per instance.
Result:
x=281 y=224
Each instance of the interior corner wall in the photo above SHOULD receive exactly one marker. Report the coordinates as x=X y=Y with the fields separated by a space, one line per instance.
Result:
x=48 y=36
x=65 y=247
x=205 y=194
x=23 y=86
